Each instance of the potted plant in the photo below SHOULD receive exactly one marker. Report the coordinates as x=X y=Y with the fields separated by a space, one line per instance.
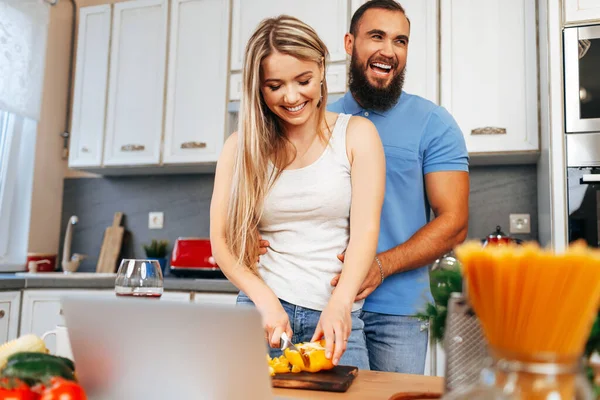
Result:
x=157 y=250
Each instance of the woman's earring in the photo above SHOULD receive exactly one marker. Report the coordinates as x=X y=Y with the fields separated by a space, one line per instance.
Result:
x=321 y=97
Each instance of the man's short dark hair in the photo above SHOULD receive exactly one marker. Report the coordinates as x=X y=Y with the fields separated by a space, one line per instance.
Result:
x=391 y=5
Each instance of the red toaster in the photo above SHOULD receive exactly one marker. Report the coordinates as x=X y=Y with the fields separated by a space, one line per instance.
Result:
x=192 y=258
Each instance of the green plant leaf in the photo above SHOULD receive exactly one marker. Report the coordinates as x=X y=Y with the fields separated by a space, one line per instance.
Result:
x=156 y=248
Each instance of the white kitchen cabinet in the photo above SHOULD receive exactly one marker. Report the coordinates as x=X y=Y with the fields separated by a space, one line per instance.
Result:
x=42 y=311
x=136 y=83
x=197 y=81
x=248 y=14
x=90 y=88
x=422 y=62
x=10 y=306
x=214 y=298
x=489 y=73
x=331 y=30
x=581 y=10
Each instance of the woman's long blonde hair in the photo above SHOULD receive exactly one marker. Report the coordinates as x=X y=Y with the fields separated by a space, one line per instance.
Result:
x=260 y=134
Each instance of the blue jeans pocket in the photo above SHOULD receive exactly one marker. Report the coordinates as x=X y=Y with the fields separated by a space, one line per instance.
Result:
x=243 y=300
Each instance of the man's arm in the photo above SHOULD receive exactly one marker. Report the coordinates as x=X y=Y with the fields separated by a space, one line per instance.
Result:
x=448 y=194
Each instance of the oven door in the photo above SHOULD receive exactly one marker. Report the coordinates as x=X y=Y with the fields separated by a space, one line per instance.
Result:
x=584 y=204
x=582 y=78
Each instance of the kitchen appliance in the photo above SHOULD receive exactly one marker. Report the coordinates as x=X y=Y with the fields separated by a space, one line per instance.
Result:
x=582 y=80
x=583 y=199
x=192 y=258
x=464 y=345
x=582 y=128
x=499 y=238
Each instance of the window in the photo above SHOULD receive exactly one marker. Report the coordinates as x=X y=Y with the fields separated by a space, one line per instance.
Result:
x=17 y=140
x=6 y=186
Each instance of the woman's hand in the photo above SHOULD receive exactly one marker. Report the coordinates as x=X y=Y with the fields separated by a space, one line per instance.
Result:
x=275 y=322
x=335 y=325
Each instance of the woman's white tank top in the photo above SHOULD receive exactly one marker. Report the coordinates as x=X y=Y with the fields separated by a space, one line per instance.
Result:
x=306 y=220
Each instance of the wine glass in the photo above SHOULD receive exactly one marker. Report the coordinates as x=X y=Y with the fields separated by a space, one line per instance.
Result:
x=139 y=278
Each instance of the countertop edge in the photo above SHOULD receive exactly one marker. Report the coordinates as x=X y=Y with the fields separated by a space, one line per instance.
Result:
x=12 y=282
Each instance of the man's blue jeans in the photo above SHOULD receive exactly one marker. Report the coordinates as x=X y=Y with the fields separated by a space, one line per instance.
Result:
x=304 y=322
x=396 y=343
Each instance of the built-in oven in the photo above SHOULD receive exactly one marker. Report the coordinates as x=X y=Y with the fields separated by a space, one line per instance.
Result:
x=583 y=187
x=582 y=78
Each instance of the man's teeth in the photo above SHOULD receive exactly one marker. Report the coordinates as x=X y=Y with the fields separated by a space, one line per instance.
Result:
x=297 y=108
x=383 y=66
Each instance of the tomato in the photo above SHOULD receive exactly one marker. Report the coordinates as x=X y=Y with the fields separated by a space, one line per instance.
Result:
x=62 y=389
x=16 y=389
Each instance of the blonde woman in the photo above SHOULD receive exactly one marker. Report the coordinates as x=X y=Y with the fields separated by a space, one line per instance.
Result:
x=308 y=181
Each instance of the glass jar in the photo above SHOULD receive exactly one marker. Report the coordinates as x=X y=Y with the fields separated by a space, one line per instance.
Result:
x=526 y=377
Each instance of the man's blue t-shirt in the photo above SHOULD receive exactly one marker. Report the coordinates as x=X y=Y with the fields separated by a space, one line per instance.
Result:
x=418 y=137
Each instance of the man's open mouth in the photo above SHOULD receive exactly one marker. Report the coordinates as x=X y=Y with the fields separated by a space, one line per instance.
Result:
x=381 y=68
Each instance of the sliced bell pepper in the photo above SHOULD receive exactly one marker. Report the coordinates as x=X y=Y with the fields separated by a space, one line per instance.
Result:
x=311 y=357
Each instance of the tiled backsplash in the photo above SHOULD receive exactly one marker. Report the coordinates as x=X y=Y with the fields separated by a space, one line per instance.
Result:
x=185 y=199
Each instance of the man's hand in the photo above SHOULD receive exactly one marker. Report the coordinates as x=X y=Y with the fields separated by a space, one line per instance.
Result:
x=262 y=250
x=370 y=283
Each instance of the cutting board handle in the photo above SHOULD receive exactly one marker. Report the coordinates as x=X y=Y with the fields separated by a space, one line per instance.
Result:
x=117 y=219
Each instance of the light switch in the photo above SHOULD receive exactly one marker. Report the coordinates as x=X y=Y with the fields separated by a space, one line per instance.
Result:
x=155 y=220
x=520 y=223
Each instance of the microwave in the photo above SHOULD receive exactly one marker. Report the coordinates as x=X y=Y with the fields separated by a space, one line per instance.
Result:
x=581 y=47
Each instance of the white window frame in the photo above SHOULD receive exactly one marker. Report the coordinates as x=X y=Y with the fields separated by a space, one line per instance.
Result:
x=17 y=153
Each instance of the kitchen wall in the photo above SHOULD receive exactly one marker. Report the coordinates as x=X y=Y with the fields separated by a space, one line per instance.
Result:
x=49 y=168
x=185 y=199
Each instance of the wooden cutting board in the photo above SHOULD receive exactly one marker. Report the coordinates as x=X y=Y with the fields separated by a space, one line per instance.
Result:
x=415 y=396
x=337 y=379
x=111 y=245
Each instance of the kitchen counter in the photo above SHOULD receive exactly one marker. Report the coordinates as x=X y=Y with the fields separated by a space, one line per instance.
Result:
x=17 y=282
x=372 y=385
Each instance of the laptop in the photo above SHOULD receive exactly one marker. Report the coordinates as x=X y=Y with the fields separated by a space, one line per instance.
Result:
x=129 y=349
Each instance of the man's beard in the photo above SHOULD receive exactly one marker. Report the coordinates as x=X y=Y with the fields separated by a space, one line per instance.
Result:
x=369 y=96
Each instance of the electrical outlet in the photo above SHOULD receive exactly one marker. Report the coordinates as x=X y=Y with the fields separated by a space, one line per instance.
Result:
x=156 y=220
x=520 y=223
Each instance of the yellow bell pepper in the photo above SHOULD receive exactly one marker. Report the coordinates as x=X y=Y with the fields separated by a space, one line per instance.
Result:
x=279 y=365
x=311 y=357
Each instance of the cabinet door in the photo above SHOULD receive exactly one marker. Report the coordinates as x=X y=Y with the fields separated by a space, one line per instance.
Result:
x=422 y=62
x=10 y=306
x=329 y=18
x=197 y=81
x=42 y=311
x=89 y=96
x=214 y=298
x=136 y=83
x=489 y=79
x=581 y=10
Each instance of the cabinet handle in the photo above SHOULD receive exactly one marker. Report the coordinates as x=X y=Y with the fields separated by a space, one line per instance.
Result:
x=489 y=130
x=193 y=145
x=133 y=147
x=60 y=312
x=85 y=150
x=2 y=313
